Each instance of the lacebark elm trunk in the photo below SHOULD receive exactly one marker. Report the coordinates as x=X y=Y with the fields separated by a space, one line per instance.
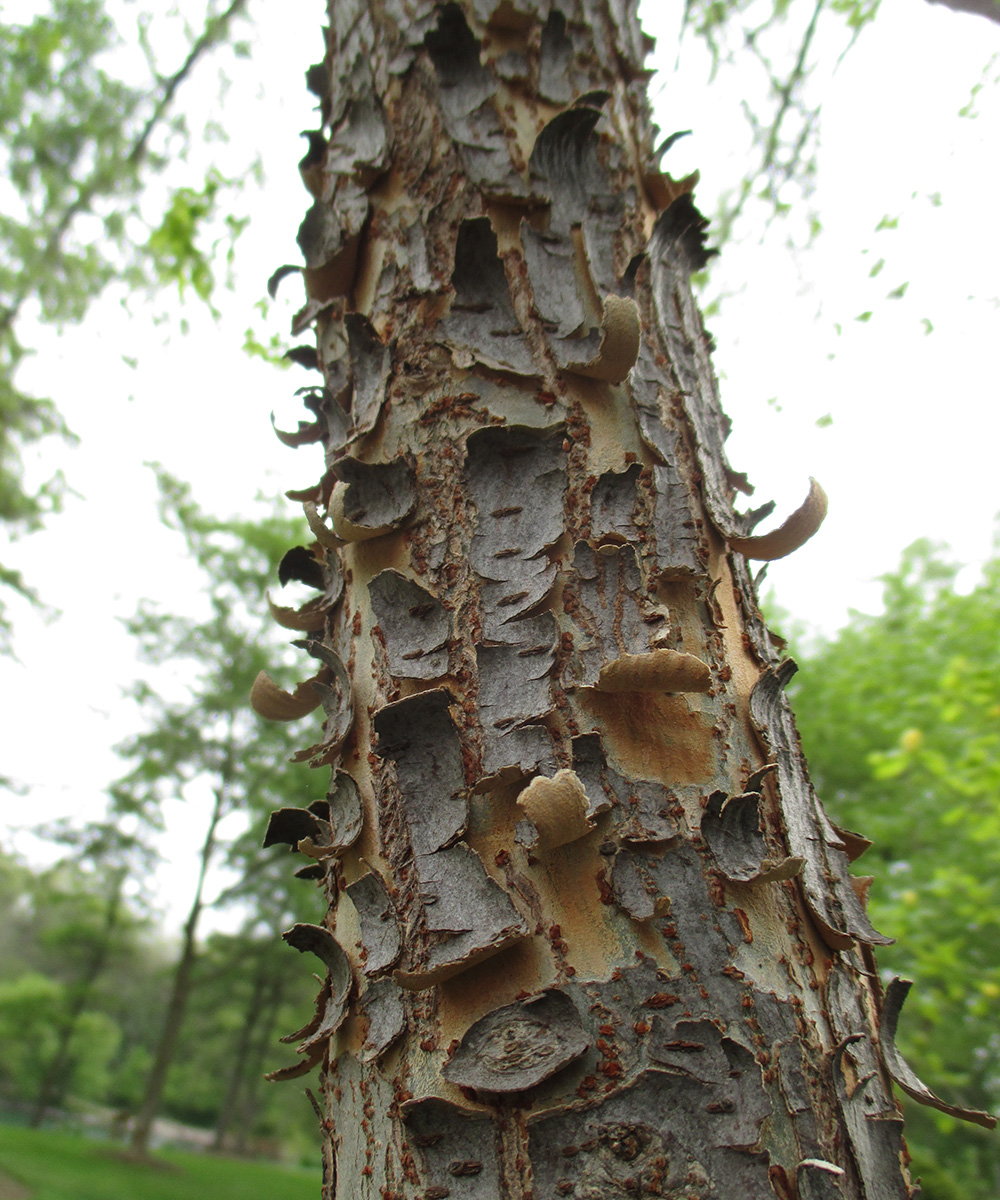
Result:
x=590 y=932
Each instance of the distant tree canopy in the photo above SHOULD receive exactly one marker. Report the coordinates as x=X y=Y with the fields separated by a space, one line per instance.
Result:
x=900 y=721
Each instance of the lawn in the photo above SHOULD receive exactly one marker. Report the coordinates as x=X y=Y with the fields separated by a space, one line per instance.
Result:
x=38 y=1165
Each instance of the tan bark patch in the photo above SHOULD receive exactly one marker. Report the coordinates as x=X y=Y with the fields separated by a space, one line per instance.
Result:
x=651 y=736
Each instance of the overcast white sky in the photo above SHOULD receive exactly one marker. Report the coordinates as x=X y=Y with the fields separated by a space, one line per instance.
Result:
x=911 y=450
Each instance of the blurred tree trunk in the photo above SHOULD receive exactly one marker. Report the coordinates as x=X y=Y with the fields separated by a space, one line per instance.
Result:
x=252 y=1042
x=181 y=981
x=590 y=932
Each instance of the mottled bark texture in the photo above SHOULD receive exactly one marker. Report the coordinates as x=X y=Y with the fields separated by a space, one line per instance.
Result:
x=590 y=932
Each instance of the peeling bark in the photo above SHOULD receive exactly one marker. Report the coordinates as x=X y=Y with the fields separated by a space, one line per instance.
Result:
x=601 y=938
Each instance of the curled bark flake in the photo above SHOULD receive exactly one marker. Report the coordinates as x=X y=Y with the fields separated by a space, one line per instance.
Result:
x=657 y=671
x=789 y=536
x=516 y=1047
x=328 y=239
x=293 y=825
x=517 y=481
x=468 y=915
x=419 y=736
x=566 y=168
x=732 y=830
x=817 y=1179
x=337 y=697
x=619 y=345
x=414 y=625
x=309 y=618
x=826 y=881
x=371 y=499
x=277 y=276
x=307 y=433
x=641 y=808
x=328 y=404
x=308 y=315
x=853 y=844
x=331 y=1003
x=380 y=934
x=382 y=1006
x=321 y=531
x=557 y=808
x=901 y=1072
x=301 y=564
x=481 y=324
x=326 y=574
x=634 y=890
x=296 y=1070
x=453 y=1144
x=273 y=703
x=514 y=694
x=874 y=1129
x=605 y=585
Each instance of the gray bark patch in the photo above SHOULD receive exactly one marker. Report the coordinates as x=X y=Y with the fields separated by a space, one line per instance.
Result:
x=378 y=495
x=482 y=321
x=419 y=736
x=380 y=934
x=458 y=1151
x=665 y=1134
x=382 y=1005
x=467 y=103
x=601 y=596
x=468 y=915
x=515 y=1047
x=414 y=624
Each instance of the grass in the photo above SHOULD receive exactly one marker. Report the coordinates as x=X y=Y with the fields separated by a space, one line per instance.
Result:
x=63 y=1166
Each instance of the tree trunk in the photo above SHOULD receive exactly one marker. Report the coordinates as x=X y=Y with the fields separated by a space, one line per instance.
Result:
x=180 y=987
x=590 y=933
x=237 y=1106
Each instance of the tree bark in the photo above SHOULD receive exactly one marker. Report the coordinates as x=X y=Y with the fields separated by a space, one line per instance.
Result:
x=180 y=987
x=590 y=932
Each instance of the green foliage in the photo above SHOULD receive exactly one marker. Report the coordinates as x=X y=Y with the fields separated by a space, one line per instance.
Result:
x=80 y=142
x=900 y=721
x=29 y=1006
x=60 y=1166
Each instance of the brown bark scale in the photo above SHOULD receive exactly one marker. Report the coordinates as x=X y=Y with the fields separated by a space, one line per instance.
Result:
x=590 y=932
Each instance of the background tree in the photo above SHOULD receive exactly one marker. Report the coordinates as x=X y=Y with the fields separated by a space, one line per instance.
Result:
x=66 y=930
x=205 y=747
x=105 y=925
